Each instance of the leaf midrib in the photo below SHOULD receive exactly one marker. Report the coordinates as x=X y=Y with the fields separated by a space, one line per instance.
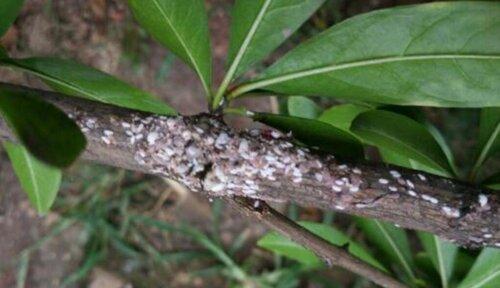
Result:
x=183 y=44
x=36 y=189
x=58 y=81
x=487 y=278
x=442 y=272
x=79 y=89
x=348 y=65
x=243 y=48
x=395 y=248
x=407 y=146
x=246 y=42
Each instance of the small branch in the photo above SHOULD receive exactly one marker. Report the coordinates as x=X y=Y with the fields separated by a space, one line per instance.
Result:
x=332 y=255
x=207 y=156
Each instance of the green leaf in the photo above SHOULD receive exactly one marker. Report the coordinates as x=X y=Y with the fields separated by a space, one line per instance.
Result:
x=437 y=54
x=493 y=181
x=486 y=271
x=442 y=255
x=389 y=156
x=391 y=240
x=341 y=116
x=438 y=136
x=41 y=127
x=403 y=136
x=417 y=114
x=78 y=80
x=260 y=26
x=304 y=107
x=489 y=132
x=495 y=186
x=9 y=9
x=423 y=263
x=182 y=27
x=40 y=181
x=314 y=133
x=489 y=136
x=282 y=245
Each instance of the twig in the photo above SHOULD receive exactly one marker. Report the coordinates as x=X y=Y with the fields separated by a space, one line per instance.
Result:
x=332 y=255
x=207 y=156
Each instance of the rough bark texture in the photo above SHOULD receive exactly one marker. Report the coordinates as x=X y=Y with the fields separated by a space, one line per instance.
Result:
x=207 y=156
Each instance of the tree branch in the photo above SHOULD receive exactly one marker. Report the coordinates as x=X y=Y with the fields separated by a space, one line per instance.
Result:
x=204 y=154
x=332 y=255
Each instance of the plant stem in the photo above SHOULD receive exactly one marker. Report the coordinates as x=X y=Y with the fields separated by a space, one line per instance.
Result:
x=413 y=210
x=217 y=99
x=332 y=255
x=238 y=111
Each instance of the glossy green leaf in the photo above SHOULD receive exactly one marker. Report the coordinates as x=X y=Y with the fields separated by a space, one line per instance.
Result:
x=314 y=133
x=282 y=245
x=182 y=27
x=400 y=135
x=489 y=136
x=39 y=180
x=341 y=116
x=442 y=255
x=391 y=240
x=78 y=80
x=439 y=54
x=41 y=127
x=9 y=9
x=486 y=271
x=260 y=26
x=418 y=114
x=304 y=107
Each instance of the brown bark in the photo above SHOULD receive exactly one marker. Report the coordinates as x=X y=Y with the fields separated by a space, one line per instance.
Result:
x=207 y=156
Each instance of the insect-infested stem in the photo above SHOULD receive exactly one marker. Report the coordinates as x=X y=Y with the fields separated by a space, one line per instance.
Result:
x=207 y=156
